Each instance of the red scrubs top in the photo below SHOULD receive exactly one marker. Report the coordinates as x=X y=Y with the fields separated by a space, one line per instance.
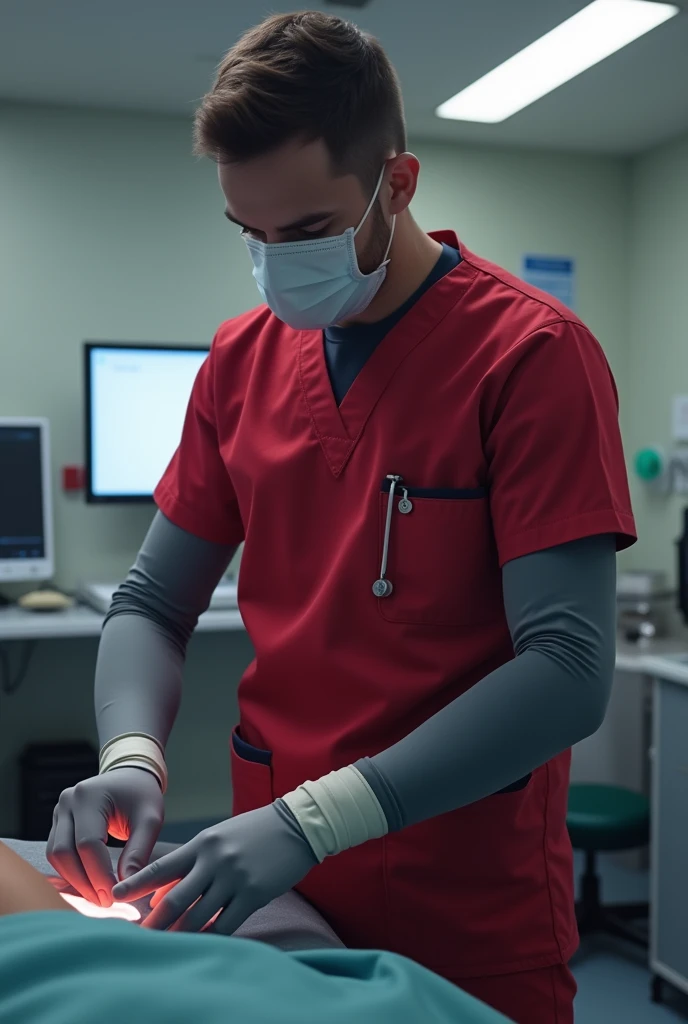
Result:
x=498 y=402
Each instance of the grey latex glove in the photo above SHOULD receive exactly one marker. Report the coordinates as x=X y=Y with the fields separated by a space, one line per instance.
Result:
x=127 y=803
x=226 y=872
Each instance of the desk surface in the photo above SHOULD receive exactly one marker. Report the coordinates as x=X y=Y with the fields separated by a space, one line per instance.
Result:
x=654 y=658
x=80 y=621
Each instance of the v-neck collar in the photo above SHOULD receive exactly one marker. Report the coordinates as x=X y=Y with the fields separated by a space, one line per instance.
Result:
x=339 y=428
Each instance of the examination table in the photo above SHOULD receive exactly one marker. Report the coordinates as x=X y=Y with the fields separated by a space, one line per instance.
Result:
x=288 y=923
x=63 y=969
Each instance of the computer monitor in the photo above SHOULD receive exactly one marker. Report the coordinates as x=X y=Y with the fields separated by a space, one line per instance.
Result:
x=26 y=515
x=136 y=400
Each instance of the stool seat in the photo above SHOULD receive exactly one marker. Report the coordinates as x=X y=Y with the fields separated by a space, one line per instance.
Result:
x=607 y=817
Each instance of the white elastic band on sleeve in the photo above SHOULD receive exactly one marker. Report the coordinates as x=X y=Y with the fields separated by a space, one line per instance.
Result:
x=337 y=812
x=135 y=750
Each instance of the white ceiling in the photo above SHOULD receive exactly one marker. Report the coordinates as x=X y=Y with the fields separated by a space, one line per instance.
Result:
x=158 y=56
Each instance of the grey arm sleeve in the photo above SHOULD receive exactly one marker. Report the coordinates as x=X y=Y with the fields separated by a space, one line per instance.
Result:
x=153 y=614
x=561 y=609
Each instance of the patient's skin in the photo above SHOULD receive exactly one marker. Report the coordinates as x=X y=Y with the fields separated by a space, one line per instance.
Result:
x=23 y=888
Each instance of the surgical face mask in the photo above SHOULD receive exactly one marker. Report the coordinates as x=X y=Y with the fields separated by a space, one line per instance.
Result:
x=313 y=284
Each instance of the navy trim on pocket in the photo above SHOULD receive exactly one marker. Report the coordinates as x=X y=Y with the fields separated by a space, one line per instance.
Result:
x=515 y=786
x=458 y=494
x=249 y=753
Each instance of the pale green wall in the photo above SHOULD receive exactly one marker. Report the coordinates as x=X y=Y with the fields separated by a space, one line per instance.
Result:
x=658 y=338
x=109 y=229
x=506 y=202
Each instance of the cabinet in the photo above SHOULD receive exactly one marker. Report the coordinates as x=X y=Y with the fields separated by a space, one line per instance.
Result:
x=616 y=754
x=669 y=839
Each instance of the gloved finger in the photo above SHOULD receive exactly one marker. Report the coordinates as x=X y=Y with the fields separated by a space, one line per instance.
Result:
x=144 y=830
x=163 y=891
x=211 y=922
x=175 y=904
x=51 y=838
x=204 y=911
x=95 y=858
x=234 y=915
x=161 y=872
x=90 y=837
x=63 y=857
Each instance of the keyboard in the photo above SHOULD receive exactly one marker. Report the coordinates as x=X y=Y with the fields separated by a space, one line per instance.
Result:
x=99 y=596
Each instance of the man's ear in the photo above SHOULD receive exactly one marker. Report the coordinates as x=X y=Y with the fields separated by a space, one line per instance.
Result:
x=402 y=181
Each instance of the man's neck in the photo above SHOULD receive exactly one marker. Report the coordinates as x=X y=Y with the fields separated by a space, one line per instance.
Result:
x=412 y=257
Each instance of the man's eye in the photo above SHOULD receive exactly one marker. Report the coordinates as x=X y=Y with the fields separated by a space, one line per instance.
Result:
x=314 y=232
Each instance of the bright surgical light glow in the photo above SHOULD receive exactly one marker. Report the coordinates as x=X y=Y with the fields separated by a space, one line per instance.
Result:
x=597 y=31
x=123 y=911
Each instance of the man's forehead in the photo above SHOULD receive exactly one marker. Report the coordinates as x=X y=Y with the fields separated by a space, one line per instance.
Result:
x=284 y=184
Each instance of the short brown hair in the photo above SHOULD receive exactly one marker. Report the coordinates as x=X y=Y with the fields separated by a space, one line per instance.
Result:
x=304 y=76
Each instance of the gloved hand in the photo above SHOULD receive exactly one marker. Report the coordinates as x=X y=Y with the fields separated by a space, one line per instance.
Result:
x=231 y=869
x=127 y=803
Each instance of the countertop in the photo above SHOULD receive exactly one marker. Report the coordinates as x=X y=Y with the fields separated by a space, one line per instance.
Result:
x=666 y=658
x=79 y=621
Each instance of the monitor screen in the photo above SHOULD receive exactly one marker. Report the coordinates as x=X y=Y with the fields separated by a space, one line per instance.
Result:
x=25 y=524
x=136 y=400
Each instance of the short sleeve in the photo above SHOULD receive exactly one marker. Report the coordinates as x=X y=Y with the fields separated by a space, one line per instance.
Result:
x=195 y=492
x=557 y=471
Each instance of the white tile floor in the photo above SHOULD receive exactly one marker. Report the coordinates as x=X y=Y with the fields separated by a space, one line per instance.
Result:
x=613 y=979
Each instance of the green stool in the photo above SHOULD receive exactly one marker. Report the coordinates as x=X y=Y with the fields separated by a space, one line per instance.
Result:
x=607 y=818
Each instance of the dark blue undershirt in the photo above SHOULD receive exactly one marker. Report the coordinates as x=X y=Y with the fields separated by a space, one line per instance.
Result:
x=347 y=349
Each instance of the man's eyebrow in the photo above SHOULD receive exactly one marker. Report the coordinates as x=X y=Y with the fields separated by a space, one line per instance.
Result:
x=302 y=222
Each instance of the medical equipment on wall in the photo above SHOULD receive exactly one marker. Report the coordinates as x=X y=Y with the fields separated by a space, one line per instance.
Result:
x=663 y=473
x=644 y=603
x=666 y=472
x=136 y=399
x=682 y=552
x=26 y=515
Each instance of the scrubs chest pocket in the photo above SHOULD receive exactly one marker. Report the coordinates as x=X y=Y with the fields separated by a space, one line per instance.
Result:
x=441 y=561
x=251 y=776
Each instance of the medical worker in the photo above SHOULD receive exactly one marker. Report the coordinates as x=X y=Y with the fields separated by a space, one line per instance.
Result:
x=421 y=454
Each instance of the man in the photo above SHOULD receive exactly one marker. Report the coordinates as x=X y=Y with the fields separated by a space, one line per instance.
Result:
x=423 y=458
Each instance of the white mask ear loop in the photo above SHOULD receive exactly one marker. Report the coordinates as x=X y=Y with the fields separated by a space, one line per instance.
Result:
x=391 y=236
x=372 y=201
x=370 y=206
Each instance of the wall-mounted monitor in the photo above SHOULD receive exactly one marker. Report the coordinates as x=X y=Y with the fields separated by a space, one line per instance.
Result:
x=136 y=400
